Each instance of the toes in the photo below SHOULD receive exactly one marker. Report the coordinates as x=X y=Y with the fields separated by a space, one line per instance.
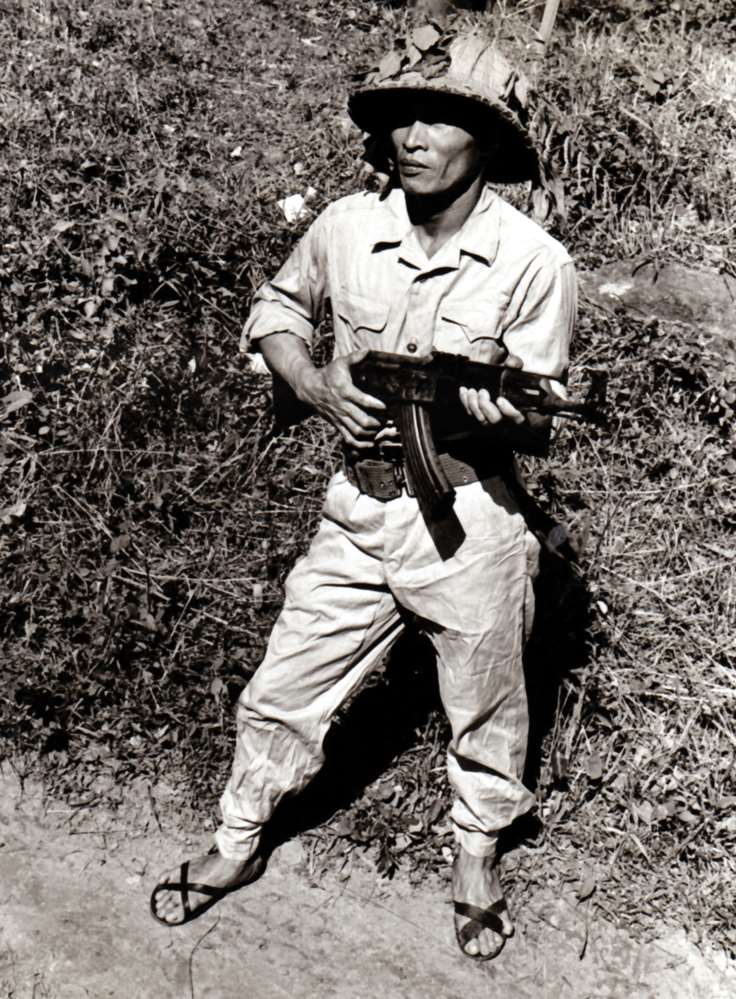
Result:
x=167 y=904
x=164 y=906
x=507 y=927
x=170 y=913
x=472 y=948
x=165 y=915
x=486 y=943
x=490 y=943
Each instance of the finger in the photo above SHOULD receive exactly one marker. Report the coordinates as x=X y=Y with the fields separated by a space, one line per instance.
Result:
x=357 y=424
x=474 y=408
x=357 y=442
x=341 y=380
x=362 y=398
x=488 y=409
x=387 y=433
x=345 y=382
x=358 y=416
x=470 y=399
x=510 y=411
x=513 y=361
x=558 y=388
x=464 y=399
x=471 y=404
x=356 y=434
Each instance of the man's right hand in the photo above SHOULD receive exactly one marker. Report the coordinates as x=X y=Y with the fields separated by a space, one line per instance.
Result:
x=331 y=392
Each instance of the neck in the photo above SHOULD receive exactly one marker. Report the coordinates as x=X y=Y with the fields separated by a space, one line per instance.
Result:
x=436 y=218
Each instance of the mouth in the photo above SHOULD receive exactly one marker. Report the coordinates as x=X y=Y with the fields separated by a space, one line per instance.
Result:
x=411 y=166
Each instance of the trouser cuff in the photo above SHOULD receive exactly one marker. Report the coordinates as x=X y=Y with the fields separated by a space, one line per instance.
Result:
x=232 y=844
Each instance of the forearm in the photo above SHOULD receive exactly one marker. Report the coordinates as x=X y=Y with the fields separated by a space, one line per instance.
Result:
x=328 y=391
x=288 y=357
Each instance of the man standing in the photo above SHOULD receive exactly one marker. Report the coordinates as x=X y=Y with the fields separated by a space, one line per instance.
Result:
x=438 y=262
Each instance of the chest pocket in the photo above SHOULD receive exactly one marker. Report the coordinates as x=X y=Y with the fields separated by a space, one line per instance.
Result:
x=365 y=317
x=471 y=328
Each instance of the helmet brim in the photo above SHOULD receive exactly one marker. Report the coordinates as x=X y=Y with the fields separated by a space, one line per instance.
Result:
x=376 y=110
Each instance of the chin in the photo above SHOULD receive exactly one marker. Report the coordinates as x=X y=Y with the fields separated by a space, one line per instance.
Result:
x=419 y=187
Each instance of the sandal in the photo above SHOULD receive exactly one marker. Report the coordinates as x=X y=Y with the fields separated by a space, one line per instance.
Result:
x=184 y=886
x=480 y=919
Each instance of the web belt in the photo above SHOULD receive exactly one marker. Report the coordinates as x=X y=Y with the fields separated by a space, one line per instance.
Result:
x=382 y=473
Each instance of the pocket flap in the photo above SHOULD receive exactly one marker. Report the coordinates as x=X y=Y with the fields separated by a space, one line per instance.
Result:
x=479 y=320
x=361 y=312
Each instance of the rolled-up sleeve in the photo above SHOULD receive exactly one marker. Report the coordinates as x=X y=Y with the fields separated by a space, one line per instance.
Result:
x=541 y=316
x=293 y=301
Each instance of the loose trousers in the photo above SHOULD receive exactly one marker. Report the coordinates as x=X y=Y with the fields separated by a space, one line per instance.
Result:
x=341 y=614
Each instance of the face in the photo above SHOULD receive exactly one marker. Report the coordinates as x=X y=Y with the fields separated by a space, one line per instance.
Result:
x=436 y=152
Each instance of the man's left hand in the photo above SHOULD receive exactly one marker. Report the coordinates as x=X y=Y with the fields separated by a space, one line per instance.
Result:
x=478 y=403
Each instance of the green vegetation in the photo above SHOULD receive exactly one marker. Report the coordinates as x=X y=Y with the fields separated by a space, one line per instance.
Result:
x=149 y=514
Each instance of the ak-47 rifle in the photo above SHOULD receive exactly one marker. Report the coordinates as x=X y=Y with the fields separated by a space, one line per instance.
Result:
x=421 y=394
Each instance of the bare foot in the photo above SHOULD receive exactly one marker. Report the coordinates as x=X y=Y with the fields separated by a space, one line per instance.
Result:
x=475 y=883
x=212 y=870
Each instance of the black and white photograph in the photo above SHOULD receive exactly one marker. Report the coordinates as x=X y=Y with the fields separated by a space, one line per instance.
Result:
x=368 y=499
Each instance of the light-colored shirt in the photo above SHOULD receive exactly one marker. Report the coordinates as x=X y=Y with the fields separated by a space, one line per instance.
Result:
x=499 y=278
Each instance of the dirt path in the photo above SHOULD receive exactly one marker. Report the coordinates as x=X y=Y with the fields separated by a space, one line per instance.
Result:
x=76 y=925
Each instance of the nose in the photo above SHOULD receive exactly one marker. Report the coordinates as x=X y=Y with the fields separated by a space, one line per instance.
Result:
x=415 y=136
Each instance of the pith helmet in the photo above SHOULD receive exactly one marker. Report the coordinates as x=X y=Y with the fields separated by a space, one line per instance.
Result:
x=466 y=65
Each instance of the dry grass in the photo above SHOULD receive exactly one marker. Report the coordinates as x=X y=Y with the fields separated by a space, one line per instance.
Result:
x=150 y=515
x=651 y=731
x=652 y=123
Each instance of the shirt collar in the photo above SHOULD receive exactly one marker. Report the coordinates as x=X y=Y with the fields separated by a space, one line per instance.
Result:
x=478 y=237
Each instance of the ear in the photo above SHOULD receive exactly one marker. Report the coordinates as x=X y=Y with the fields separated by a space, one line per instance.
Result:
x=378 y=151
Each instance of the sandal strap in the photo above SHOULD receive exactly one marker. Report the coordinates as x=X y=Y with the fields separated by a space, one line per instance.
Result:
x=214 y=894
x=184 y=889
x=186 y=886
x=488 y=918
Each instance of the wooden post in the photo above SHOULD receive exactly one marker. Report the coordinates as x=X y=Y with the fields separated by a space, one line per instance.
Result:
x=549 y=17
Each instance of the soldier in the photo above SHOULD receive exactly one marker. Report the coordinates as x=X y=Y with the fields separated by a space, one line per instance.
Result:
x=439 y=260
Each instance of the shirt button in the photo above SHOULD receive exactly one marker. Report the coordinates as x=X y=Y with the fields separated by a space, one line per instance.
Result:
x=412 y=346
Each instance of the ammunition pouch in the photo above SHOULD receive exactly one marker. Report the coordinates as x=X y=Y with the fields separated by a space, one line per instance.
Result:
x=382 y=480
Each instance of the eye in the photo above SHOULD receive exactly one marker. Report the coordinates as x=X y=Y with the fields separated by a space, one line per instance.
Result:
x=402 y=119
